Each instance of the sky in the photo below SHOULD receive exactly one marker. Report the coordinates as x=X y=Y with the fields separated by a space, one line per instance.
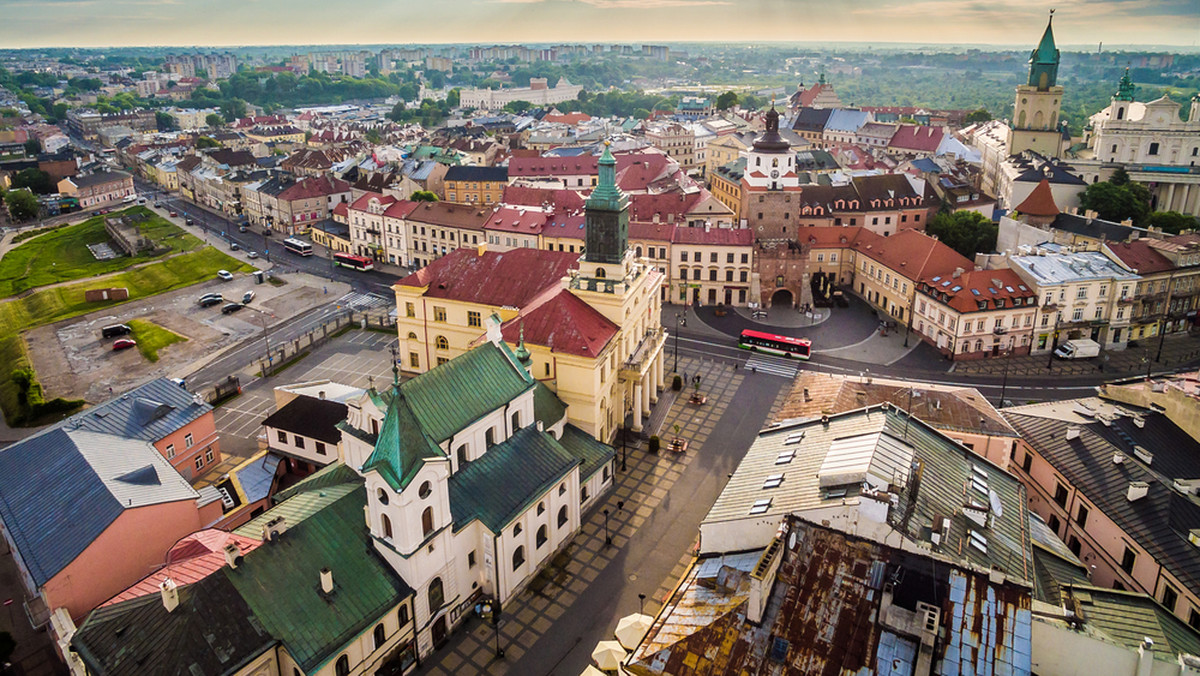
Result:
x=101 y=23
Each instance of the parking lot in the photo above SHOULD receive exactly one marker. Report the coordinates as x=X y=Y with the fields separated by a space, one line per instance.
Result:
x=73 y=360
x=353 y=359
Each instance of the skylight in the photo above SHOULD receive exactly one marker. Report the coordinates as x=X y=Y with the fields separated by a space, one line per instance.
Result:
x=761 y=507
x=785 y=457
x=794 y=438
x=956 y=289
x=773 y=481
x=978 y=541
x=975 y=291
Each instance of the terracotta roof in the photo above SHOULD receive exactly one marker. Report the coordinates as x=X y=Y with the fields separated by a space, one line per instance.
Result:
x=361 y=203
x=450 y=215
x=637 y=172
x=652 y=232
x=401 y=209
x=1040 y=201
x=830 y=237
x=560 y=199
x=567 y=118
x=569 y=225
x=643 y=207
x=515 y=219
x=192 y=559
x=911 y=253
x=341 y=209
x=918 y=138
x=1141 y=256
x=563 y=323
x=314 y=186
x=512 y=278
x=716 y=236
x=972 y=288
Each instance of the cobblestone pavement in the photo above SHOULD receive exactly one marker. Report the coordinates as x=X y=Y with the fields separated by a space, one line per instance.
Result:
x=577 y=600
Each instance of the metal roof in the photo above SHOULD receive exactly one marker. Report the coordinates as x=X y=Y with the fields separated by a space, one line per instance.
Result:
x=149 y=412
x=1126 y=618
x=60 y=489
x=1058 y=266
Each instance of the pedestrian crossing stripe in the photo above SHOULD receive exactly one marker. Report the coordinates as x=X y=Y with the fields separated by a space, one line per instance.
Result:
x=362 y=301
x=774 y=367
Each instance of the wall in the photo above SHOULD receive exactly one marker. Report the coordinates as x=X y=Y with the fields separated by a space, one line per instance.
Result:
x=204 y=437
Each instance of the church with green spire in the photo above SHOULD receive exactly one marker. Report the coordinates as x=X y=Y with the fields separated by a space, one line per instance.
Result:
x=607 y=216
x=1036 y=123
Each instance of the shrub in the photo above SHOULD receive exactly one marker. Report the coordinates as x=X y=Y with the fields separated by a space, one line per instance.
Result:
x=677 y=383
x=654 y=444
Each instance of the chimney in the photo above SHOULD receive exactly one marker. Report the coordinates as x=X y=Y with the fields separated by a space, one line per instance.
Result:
x=1137 y=490
x=762 y=578
x=492 y=329
x=1118 y=458
x=274 y=528
x=326 y=581
x=1073 y=432
x=481 y=249
x=233 y=554
x=170 y=594
x=321 y=395
x=1145 y=664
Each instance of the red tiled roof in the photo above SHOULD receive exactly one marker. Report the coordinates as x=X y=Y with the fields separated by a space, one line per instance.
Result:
x=563 y=323
x=567 y=118
x=192 y=559
x=401 y=209
x=451 y=215
x=830 y=237
x=514 y=219
x=561 y=199
x=569 y=225
x=918 y=138
x=1040 y=201
x=361 y=203
x=512 y=278
x=643 y=207
x=720 y=236
x=638 y=171
x=552 y=166
x=911 y=253
x=314 y=186
x=341 y=209
x=965 y=292
x=652 y=232
x=1140 y=255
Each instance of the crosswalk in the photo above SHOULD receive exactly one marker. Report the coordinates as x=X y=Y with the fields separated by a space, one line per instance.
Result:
x=362 y=301
x=772 y=366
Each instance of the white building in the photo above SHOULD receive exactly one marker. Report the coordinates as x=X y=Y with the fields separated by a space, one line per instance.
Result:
x=471 y=499
x=536 y=93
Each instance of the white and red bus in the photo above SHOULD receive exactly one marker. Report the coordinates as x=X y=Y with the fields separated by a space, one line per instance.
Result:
x=346 y=260
x=298 y=246
x=800 y=348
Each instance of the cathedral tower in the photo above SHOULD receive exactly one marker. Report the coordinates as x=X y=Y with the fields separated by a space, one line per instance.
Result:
x=1035 y=120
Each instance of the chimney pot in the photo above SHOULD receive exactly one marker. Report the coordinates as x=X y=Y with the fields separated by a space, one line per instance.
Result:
x=326 y=581
x=170 y=594
x=233 y=554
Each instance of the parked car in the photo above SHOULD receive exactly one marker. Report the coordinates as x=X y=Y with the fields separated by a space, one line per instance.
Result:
x=247 y=297
x=243 y=228
x=210 y=295
x=174 y=215
x=230 y=307
x=233 y=246
x=115 y=330
x=210 y=301
x=158 y=205
x=266 y=232
x=251 y=254
x=189 y=221
x=225 y=275
x=123 y=344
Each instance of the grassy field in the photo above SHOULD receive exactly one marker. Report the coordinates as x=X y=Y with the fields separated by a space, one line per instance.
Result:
x=62 y=255
x=63 y=302
x=151 y=338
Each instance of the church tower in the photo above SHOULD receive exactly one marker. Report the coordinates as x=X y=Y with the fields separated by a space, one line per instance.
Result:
x=607 y=216
x=1035 y=120
x=770 y=162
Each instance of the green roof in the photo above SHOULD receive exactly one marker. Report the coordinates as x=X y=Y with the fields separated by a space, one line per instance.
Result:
x=1127 y=617
x=402 y=447
x=1046 y=52
x=280 y=582
x=1051 y=572
x=547 y=407
x=305 y=498
x=606 y=195
x=587 y=449
x=1125 y=88
x=507 y=478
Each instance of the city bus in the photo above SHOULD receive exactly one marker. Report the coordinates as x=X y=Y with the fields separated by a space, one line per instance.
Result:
x=345 y=260
x=800 y=348
x=298 y=246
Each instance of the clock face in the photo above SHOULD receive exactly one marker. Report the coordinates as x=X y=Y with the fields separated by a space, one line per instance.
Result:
x=774 y=173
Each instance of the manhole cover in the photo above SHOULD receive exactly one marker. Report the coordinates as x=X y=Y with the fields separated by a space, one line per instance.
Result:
x=633 y=578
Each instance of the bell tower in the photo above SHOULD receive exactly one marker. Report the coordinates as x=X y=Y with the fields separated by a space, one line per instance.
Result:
x=1035 y=120
x=606 y=216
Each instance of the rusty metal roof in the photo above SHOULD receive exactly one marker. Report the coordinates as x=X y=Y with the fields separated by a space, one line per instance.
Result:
x=838 y=605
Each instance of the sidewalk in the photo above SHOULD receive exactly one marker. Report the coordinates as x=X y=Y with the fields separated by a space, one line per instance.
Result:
x=877 y=348
x=578 y=599
x=1177 y=350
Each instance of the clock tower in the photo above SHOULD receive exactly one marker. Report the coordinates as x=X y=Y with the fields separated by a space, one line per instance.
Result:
x=1035 y=120
x=770 y=162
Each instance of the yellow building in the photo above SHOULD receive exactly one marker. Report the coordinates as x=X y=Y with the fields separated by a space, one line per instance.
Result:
x=725 y=184
x=474 y=185
x=588 y=326
x=725 y=149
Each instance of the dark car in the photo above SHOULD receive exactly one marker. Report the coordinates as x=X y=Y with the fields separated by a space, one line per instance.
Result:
x=190 y=222
x=209 y=301
x=123 y=344
x=231 y=307
x=116 y=330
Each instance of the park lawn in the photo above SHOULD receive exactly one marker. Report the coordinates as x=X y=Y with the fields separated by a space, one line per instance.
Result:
x=151 y=338
x=63 y=302
x=62 y=255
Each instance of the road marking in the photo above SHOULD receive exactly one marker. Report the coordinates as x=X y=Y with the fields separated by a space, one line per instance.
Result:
x=760 y=364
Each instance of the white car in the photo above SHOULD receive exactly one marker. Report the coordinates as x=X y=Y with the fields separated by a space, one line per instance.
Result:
x=225 y=275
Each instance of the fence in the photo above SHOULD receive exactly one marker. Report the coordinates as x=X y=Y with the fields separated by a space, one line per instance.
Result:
x=283 y=354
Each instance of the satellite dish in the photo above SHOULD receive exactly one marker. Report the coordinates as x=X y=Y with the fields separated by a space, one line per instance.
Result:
x=792 y=540
x=997 y=508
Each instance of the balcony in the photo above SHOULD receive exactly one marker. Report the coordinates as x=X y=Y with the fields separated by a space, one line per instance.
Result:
x=648 y=347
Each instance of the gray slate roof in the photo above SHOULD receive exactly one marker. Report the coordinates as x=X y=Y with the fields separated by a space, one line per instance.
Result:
x=60 y=489
x=148 y=413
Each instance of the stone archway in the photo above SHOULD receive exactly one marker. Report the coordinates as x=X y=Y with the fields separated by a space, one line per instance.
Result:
x=782 y=297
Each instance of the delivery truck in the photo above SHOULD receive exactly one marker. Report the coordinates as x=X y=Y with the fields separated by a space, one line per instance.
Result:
x=1078 y=348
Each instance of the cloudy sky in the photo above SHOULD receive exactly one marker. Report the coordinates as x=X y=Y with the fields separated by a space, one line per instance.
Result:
x=31 y=23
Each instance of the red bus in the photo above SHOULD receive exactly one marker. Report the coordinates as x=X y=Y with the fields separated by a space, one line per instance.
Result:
x=345 y=260
x=800 y=348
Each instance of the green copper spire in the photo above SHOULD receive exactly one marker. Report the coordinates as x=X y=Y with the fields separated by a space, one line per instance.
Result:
x=1043 y=62
x=606 y=215
x=1125 y=89
x=522 y=353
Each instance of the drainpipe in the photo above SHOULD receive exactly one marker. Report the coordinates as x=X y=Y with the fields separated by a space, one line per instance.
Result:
x=425 y=328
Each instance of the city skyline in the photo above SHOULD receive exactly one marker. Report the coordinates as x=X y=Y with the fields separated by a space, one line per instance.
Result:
x=221 y=23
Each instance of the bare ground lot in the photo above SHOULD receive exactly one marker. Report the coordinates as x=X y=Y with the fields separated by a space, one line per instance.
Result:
x=73 y=361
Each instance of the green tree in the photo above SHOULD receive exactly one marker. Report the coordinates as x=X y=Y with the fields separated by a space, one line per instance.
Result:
x=373 y=137
x=981 y=115
x=967 y=232
x=727 y=100
x=164 y=121
x=1119 y=177
x=33 y=147
x=517 y=107
x=206 y=142
x=423 y=196
x=1172 y=221
x=22 y=205
x=454 y=97
x=1117 y=201
x=213 y=120
x=34 y=179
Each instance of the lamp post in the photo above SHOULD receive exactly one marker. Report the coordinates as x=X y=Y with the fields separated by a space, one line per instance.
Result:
x=491 y=608
x=266 y=336
x=1053 y=341
x=607 y=536
x=1004 y=383
x=641 y=603
x=1162 y=330
x=680 y=322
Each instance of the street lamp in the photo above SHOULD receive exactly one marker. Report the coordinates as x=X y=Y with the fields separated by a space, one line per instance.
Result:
x=624 y=429
x=266 y=336
x=1004 y=383
x=1053 y=341
x=607 y=536
x=680 y=322
x=491 y=607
